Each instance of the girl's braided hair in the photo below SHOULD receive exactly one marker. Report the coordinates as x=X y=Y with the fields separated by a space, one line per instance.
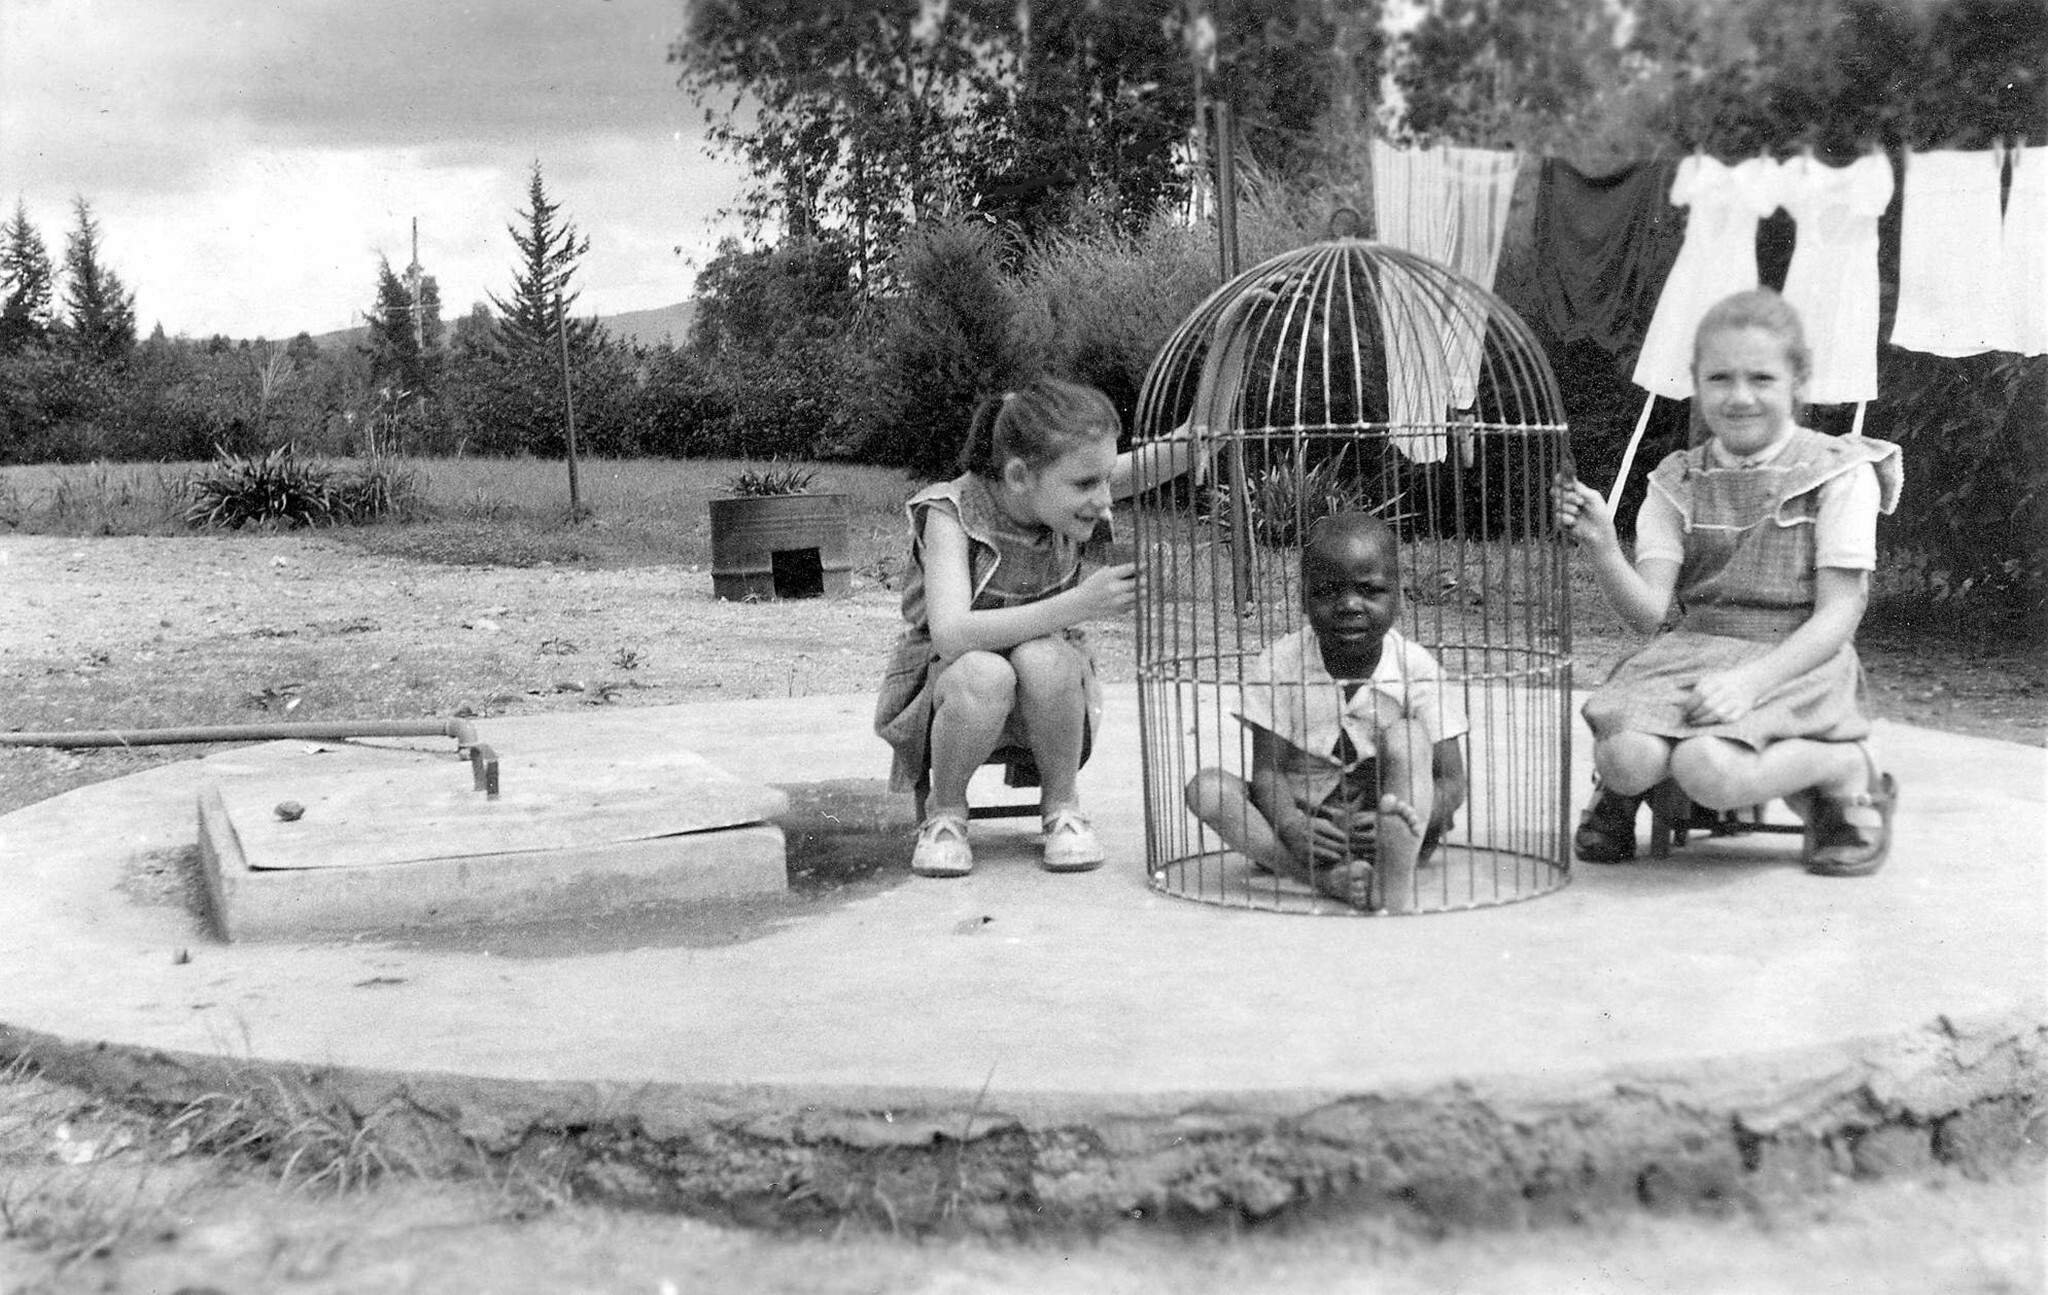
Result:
x=1037 y=422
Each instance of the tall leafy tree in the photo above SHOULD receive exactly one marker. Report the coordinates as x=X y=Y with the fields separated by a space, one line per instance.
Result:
x=549 y=251
x=866 y=116
x=27 y=278
x=102 y=310
x=847 y=113
x=1508 y=73
x=405 y=337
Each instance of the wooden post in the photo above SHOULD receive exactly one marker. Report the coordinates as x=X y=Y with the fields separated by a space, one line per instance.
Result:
x=1239 y=484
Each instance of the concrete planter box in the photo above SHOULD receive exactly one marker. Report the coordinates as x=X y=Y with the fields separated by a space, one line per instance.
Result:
x=779 y=546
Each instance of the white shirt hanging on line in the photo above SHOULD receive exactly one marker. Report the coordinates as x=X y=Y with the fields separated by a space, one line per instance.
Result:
x=1833 y=279
x=1953 y=297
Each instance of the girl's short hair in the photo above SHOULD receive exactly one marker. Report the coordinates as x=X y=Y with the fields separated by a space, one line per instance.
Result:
x=1763 y=309
x=1037 y=422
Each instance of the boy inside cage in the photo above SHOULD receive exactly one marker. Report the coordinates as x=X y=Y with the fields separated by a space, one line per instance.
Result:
x=1357 y=770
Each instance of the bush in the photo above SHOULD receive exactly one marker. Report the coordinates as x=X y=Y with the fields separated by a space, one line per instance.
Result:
x=382 y=487
x=684 y=411
x=807 y=401
x=946 y=343
x=1973 y=519
x=279 y=488
x=1097 y=307
x=276 y=488
x=1284 y=501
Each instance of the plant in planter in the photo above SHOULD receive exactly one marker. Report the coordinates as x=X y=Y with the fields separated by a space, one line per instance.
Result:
x=773 y=537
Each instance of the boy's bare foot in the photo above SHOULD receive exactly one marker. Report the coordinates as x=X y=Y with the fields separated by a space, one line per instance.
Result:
x=1398 y=842
x=1349 y=882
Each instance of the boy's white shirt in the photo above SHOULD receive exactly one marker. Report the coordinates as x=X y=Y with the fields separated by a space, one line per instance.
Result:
x=1290 y=692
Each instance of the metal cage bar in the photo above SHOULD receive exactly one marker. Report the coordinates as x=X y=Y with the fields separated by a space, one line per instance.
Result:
x=1348 y=374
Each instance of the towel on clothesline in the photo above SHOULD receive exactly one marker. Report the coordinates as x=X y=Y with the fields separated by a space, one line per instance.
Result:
x=1952 y=294
x=1450 y=206
x=1603 y=246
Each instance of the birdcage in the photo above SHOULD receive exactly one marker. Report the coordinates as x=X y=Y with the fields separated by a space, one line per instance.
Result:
x=1353 y=376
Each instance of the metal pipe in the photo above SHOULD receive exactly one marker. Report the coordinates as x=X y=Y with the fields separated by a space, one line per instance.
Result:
x=483 y=760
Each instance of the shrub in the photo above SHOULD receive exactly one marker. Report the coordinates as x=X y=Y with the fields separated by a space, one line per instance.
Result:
x=1285 y=500
x=1973 y=518
x=683 y=408
x=381 y=487
x=279 y=488
x=803 y=402
x=274 y=488
x=946 y=342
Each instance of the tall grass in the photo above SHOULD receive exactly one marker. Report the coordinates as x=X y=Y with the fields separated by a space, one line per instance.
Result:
x=479 y=512
x=514 y=512
x=98 y=498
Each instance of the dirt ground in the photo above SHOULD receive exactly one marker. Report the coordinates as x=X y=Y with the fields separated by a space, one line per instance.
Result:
x=132 y=633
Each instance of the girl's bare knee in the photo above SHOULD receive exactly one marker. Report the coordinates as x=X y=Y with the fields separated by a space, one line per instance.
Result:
x=1712 y=772
x=1632 y=763
x=1046 y=663
x=978 y=680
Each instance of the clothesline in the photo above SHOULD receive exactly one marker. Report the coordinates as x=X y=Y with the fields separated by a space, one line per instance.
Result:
x=1602 y=239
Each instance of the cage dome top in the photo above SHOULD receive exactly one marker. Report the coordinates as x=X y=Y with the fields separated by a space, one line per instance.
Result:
x=1350 y=333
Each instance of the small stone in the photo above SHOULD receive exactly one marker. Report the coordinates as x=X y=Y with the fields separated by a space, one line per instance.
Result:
x=290 y=811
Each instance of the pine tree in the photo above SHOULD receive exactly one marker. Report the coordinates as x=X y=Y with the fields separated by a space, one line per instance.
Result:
x=541 y=296
x=29 y=282
x=405 y=337
x=102 y=310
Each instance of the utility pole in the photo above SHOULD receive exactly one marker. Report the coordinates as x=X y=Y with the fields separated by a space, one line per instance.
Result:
x=569 y=406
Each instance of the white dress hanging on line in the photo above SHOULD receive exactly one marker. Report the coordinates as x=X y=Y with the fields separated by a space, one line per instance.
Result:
x=1717 y=258
x=2024 y=244
x=1953 y=299
x=1833 y=279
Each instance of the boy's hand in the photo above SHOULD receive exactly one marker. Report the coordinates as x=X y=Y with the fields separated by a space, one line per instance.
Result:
x=1312 y=837
x=1108 y=592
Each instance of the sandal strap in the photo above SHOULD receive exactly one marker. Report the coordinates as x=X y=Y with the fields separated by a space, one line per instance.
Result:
x=938 y=825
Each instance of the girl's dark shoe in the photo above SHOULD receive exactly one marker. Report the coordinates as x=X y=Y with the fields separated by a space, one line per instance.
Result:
x=1835 y=847
x=1607 y=830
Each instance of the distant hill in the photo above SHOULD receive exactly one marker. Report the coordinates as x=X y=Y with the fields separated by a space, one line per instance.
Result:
x=646 y=327
x=652 y=327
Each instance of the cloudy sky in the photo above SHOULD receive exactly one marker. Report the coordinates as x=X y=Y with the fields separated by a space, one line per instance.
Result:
x=249 y=160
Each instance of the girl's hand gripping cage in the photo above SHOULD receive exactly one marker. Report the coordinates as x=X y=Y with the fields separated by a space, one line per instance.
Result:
x=1349 y=375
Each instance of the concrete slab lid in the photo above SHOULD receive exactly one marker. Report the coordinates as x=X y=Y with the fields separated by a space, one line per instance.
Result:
x=364 y=806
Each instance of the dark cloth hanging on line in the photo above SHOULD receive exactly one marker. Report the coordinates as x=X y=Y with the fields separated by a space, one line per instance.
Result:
x=1602 y=248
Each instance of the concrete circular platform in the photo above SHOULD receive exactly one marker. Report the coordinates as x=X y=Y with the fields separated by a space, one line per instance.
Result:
x=1019 y=1043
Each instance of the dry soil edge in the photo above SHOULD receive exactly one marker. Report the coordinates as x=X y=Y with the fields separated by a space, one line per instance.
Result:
x=1951 y=1095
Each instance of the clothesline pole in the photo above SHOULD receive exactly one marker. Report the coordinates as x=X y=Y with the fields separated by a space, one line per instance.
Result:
x=1628 y=457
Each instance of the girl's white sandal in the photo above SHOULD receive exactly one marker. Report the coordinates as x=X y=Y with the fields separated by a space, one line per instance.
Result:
x=1070 y=842
x=942 y=849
